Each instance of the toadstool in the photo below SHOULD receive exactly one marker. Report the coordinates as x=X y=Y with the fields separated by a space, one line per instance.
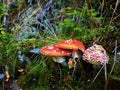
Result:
x=97 y=55
x=73 y=45
x=56 y=52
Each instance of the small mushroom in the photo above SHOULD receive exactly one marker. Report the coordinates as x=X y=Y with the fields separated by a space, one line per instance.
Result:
x=96 y=54
x=73 y=45
x=56 y=52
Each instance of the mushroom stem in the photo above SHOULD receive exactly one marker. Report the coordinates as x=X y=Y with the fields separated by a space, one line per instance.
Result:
x=60 y=60
x=74 y=71
x=75 y=54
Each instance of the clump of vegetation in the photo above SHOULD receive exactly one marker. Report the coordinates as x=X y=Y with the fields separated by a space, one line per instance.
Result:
x=3 y=8
x=80 y=20
x=84 y=24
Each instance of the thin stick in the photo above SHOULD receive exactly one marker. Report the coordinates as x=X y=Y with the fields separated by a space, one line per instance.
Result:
x=105 y=72
x=60 y=73
x=114 y=58
x=116 y=5
x=107 y=80
x=97 y=74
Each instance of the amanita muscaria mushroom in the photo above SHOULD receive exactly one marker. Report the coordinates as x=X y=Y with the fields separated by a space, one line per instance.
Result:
x=72 y=44
x=96 y=54
x=75 y=46
x=56 y=52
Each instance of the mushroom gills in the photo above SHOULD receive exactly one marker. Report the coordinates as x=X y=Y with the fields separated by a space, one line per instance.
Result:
x=60 y=60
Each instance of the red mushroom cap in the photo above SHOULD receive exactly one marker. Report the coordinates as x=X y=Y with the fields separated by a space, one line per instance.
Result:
x=53 y=50
x=71 y=44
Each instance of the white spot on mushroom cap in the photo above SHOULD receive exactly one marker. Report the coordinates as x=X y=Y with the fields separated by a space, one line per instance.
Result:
x=69 y=41
x=63 y=52
x=50 y=47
